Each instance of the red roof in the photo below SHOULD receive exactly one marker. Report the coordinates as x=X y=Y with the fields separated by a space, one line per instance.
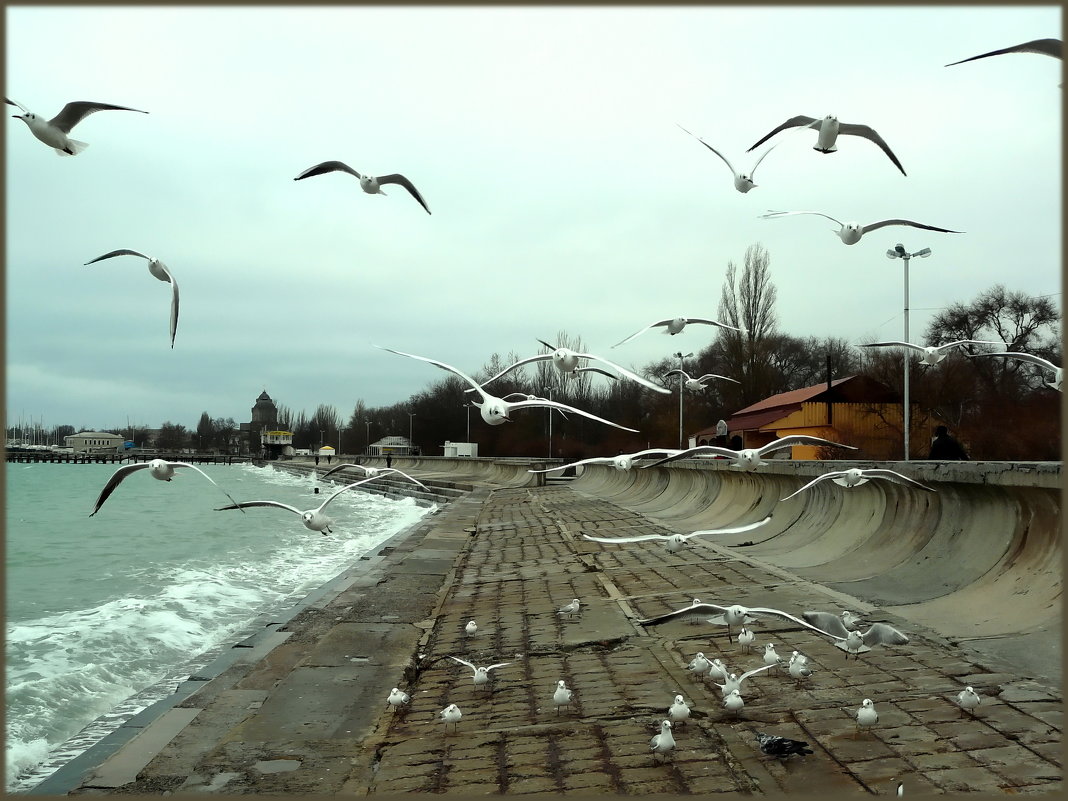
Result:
x=792 y=398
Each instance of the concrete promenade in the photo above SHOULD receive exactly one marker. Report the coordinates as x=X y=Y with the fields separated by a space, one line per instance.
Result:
x=302 y=709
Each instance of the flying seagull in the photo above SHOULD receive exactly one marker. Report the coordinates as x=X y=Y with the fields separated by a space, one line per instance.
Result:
x=1044 y=47
x=157 y=468
x=932 y=354
x=313 y=519
x=1058 y=372
x=375 y=472
x=54 y=132
x=496 y=411
x=674 y=325
x=855 y=476
x=159 y=270
x=624 y=461
x=368 y=183
x=829 y=129
x=676 y=542
x=851 y=232
x=734 y=682
x=697 y=384
x=480 y=675
x=743 y=181
x=749 y=458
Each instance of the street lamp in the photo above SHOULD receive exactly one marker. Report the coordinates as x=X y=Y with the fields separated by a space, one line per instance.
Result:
x=339 y=430
x=549 y=409
x=410 y=441
x=680 y=357
x=899 y=252
x=367 y=445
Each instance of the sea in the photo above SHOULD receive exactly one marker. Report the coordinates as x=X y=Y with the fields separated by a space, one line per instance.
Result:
x=107 y=614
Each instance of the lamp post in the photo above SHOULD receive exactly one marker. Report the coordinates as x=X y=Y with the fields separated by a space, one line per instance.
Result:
x=550 y=411
x=680 y=357
x=468 y=407
x=339 y=430
x=411 y=415
x=899 y=252
x=367 y=444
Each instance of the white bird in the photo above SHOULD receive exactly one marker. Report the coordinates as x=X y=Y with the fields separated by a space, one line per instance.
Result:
x=368 y=183
x=569 y=362
x=699 y=664
x=159 y=469
x=674 y=325
x=857 y=643
x=745 y=638
x=479 y=674
x=313 y=519
x=451 y=714
x=471 y=627
x=494 y=410
x=375 y=472
x=676 y=542
x=678 y=711
x=798 y=667
x=851 y=232
x=398 y=698
x=570 y=609
x=772 y=658
x=662 y=743
x=968 y=699
x=855 y=476
x=837 y=625
x=54 y=132
x=749 y=458
x=1046 y=364
x=743 y=181
x=733 y=702
x=734 y=681
x=562 y=696
x=697 y=384
x=1043 y=47
x=158 y=270
x=623 y=462
x=829 y=130
x=718 y=670
x=866 y=716
x=932 y=354
x=900 y=790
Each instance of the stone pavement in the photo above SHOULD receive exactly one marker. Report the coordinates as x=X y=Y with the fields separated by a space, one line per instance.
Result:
x=311 y=716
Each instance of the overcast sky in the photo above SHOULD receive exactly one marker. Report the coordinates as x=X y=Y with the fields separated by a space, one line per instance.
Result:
x=545 y=142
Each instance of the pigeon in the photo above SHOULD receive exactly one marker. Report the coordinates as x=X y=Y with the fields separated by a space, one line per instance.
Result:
x=866 y=716
x=313 y=519
x=748 y=458
x=368 y=183
x=54 y=132
x=734 y=682
x=850 y=233
x=781 y=747
x=932 y=354
x=697 y=384
x=622 y=462
x=676 y=542
x=1043 y=47
x=451 y=714
x=471 y=627
x=771 y=658
x=829 y=130
x=733 y=702
x=158 y=270
x=674 y=325
x=375 y=472
x=570 y=609
x=855 y=476
x=678 y=711
x=743 y=181
x=480 y=674
x=562 y=696
x=663 y=743
x=968 y=699
x=398 y=698
x=746 y=638
x=159 y=469
x=1058 y=373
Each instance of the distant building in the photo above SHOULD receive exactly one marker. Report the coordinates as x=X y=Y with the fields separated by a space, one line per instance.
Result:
x=264 y=419
x=398 y=446
x=94 y=442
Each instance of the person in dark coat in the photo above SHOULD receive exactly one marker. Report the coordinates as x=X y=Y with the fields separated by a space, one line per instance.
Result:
x=389 y=460
x=945 y=447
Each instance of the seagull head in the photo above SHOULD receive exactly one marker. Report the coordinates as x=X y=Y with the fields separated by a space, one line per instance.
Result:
x=850 y=233
x=675 y=542
x=494 y=411
x=743 y=182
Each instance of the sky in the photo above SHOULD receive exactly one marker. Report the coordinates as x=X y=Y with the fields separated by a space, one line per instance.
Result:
x=564 y=196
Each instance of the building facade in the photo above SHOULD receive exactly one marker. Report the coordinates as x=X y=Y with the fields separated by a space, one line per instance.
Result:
x=94 y=442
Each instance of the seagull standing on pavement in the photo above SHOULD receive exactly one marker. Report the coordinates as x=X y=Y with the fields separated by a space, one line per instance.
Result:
x=562 y=695
x=470 y=628
x=678 y=711
x=368 y=183
x=397 y=698
x=968 y=699
x=570 y=609
x=866 y=716
x=54 y=132
x=662 y=743
x=451 y=714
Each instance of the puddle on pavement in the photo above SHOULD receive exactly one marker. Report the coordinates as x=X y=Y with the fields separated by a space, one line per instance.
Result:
x=276 y=765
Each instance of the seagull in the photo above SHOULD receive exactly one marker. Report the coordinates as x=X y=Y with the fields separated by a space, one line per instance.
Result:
x=471 y=627
x=749 y=458
x=855 y=476
x=481 y=674
x=718 y=670
x=734 y=681
x=698 y=664
x=675 y=542
x=662 y=743
x=375 y=472
x=368 y=183
x=772 y=658
x=158 y=270
x=799 y=668
x=398 y=698
x=623 y=462
x=571 y=609
x=866 y=716
x=851 y=232
x=451 y=714
x=54 y=132
x=745 y=638
x=567 y=361
x=313 y=519
x=494 y=410
x=743 y=181
x=837 y=625
x=1044 y=47
x=678 y=711
x=562 y=696
x=968 y=699
x=829 y=129
x=1058 y=373
x=697 y=384
x=900 y=791
x=674 y=325
x=780 y=747
x=932 y=354
x=733 y=702
x=157 y=468
x=857 y=643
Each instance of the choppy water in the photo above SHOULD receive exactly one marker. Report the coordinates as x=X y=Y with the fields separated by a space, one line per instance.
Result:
x=104 y=613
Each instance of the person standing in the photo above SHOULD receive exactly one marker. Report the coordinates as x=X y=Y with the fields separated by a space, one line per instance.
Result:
x=945 y=447
x=389 y=460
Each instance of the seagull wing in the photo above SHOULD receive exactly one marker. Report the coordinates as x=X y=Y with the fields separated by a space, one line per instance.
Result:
x=788 y=616
x=894 y=344
x=826 y=622
x=649 y=621
x=752 y=672
x=752 y=172
x=793 y=122
x=442 y=365
x=114 y=481
x=703 y=142
x=882 y=634
x=1023 y=357
x=642 y=538
x=813 y=482
x=872 y=135
x=884 y=223
x=735 y=530
x=400 y=180
x=542 y=358
x=121 y=252
x=709 y=376
x=891 y=475
x=21 y=107
x=342 y=467
x=75 y=112
x=209 y=478
x=462 y=662
x=712 y=322
x=688 y=452
x=174 y=300
x=650 y=451
x=596 y=370
x=528 y=404
x=402 y=473
x=344 y=489
x=799 y=439
x=677 y=371
x=498 y=665
x=246 y=504
x=328 y=166
x=632 y=376
x=776 y=214
x=641 y=331
x=1045 y=47
x=963 y=342
x=594 y=460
